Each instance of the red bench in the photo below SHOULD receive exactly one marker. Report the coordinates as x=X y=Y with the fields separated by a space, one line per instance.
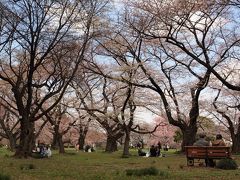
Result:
x=206 y=152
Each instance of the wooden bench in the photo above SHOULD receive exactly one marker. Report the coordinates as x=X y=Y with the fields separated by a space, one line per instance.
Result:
x=206 y=152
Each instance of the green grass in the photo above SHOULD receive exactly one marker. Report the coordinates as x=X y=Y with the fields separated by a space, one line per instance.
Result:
x=100 y=165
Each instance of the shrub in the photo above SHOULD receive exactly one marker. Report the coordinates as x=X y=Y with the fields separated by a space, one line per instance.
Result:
x=152 y=171
x=227 y=164
x=4 y=177
x=27 y=166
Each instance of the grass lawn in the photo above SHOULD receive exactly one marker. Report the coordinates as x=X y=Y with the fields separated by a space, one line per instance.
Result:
x=100 y=165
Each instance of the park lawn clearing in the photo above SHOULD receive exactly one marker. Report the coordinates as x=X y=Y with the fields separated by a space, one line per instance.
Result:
x=100 y=165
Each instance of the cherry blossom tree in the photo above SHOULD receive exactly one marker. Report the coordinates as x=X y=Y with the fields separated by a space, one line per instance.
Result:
x=35 y=30
x=94 y=95
x=186 y=38
x=227 y=112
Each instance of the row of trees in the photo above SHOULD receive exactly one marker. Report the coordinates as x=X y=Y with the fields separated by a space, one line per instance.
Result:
x=42 y=45
x=199 y=37
x=77 y=61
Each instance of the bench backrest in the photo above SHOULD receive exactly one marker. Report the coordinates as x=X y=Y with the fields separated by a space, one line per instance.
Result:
x=208 y=152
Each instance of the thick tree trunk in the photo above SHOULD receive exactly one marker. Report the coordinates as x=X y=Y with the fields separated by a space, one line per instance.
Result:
x=24 y=149
x=111 y=145
x=189 y=136
x=57 y=140
x=61 y=145
x=126 y=145
x=54 y=142
x=236 y=143
x=12 y=143
x=81 y=141
x=58 y=143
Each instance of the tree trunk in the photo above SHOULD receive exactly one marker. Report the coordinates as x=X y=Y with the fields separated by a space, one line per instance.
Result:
x=111 y=144
x=61 y=144
x=54 y=142
x=236 y=143
x=189 y=136
x=126 y=145
x=57 y=140
x=24 y=149
x=12 y=143
x=81 y=141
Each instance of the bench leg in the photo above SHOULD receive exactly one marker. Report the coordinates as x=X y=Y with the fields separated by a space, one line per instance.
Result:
x=209 y=162
x=190 y=161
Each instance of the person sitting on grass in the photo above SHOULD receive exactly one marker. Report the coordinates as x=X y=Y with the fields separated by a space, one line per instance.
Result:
x=48 y=151
x=87 y=148
x=42 y=150
x=92 y=149
x=153 y=151
x=141 y=152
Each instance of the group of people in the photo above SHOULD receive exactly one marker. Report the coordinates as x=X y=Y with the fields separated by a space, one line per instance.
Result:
x=154 y=151
x=86 y=148
x=203 y=142
x=89 y=148
x=43 y=150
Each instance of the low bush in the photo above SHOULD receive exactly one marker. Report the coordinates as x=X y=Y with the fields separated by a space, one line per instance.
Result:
x=27 y=166
x=4 y=177
x=152 y=171
x=227 y=164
